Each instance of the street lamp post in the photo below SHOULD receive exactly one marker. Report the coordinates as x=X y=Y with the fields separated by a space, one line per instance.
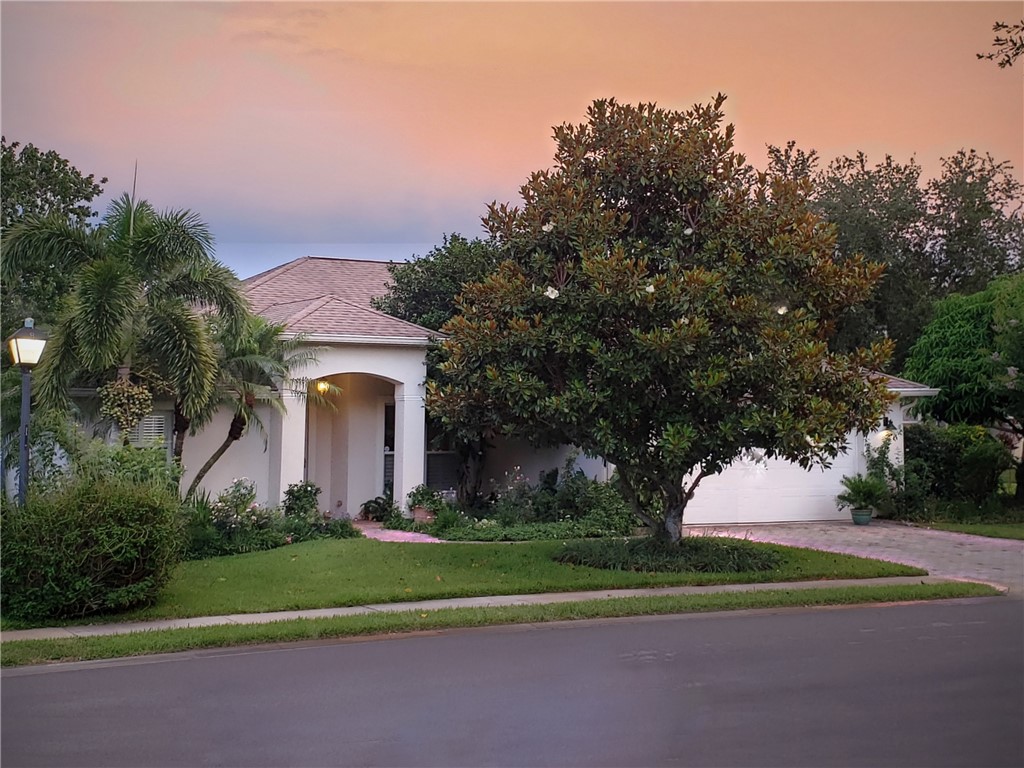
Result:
x=26 y=347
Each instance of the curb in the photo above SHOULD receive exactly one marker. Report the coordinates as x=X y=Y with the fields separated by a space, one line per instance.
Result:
x=492 y=601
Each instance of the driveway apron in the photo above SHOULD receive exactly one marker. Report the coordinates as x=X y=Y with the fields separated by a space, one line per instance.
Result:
x=999 y=562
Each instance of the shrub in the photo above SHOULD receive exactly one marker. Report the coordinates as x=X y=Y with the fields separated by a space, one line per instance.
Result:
x=959 y=462
x=93 y=545
x=379 y=508
x=702 y=554
x=300 y=501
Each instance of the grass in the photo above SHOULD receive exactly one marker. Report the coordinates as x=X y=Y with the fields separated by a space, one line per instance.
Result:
x=992 y=530
x=330 y=573
x=20 y=652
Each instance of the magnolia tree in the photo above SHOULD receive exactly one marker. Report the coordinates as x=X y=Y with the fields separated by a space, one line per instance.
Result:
x=663 y=305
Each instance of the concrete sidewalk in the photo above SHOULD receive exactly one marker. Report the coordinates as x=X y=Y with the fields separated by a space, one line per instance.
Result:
x=123 y=628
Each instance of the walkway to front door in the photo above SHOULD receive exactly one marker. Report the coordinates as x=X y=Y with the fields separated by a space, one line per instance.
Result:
x=377 y=531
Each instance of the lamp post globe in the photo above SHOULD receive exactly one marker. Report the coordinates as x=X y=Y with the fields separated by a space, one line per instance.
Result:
x=26 y=346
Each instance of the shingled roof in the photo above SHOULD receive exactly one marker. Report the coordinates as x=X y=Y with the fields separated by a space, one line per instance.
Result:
x=330 y=298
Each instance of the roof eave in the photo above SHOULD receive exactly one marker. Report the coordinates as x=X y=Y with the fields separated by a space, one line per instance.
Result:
x=391 y=341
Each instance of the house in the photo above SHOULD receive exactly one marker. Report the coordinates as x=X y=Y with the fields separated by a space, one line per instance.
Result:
x=377 y=437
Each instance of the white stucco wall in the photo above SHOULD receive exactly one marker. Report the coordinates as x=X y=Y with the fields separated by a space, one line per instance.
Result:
x=509 y=453
x=746 y=492
x=245 y=458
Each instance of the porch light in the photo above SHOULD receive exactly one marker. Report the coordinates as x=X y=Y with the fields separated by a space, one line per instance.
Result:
x=322 y=386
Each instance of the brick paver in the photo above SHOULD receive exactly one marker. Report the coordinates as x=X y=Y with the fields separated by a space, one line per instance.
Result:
x=942 y=553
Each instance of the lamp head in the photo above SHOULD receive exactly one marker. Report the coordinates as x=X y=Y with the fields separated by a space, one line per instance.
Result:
x=26 y=345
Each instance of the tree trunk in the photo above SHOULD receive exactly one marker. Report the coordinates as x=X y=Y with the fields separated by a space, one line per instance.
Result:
x=181 y=426
x=675 y=505
x=235 y=432
x=1019 y=493
x=473 y=454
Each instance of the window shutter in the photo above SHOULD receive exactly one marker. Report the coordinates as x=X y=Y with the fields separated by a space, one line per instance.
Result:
x=152 y=430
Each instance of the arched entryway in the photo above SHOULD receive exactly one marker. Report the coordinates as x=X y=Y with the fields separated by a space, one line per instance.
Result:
x=352 y=452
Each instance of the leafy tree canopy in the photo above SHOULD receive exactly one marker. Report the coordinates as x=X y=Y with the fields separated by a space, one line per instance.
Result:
x=424 y=290
x=34 y=183
x=952 y=234
x=974 y=350
x=664 y=305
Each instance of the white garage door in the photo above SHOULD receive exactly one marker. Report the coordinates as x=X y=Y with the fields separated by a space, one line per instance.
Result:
x=773 y=492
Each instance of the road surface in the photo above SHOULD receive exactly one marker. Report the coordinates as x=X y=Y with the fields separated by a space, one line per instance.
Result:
x=936 y=684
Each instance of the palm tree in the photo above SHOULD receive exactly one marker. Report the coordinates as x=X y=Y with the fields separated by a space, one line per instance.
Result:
x=142 y=280
x=255 y=366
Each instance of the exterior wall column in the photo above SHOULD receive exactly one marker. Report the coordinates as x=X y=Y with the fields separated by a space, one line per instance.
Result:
x=288 y=446
x=410 y=439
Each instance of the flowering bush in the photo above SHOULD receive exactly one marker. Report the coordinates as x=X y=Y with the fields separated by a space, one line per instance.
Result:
x=236 y=511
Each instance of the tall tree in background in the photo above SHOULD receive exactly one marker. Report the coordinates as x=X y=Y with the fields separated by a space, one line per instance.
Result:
x=665 y=306
x=132 y=314
x=1008 y=43
x=952 y=234
x=974 y=223
x=974 y=351
x=38 y=184
x=425 y=291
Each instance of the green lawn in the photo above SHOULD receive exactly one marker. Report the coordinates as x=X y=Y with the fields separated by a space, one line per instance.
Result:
x=331 y=572
x=21 y=652
x=992 y=530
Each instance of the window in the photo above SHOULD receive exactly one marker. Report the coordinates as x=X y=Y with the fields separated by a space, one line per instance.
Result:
x=152 y=430
x=389 y=446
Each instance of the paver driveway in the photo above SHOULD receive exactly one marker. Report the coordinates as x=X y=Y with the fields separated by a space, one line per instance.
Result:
x=954 y=555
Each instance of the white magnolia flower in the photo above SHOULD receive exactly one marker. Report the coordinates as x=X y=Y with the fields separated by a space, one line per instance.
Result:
x=688 y=231
x=548 y=227
x=551 y=292
x=649 y=289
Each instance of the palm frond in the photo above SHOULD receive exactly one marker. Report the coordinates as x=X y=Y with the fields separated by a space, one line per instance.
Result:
x=178 y=337
x=123 y=220
x=106 y=303
x=211 y=285
x=58 y=366
x=173 y=239
x=52 y=241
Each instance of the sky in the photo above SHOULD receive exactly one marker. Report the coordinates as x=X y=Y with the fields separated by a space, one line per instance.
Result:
x=369 y=130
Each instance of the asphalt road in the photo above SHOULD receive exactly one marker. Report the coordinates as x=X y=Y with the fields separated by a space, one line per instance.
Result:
x=913 y=685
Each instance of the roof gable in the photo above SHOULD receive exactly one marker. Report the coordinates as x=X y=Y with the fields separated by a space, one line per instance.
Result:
x=327 y=297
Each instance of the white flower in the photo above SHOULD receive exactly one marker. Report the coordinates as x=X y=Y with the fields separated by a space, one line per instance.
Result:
x=783 y=309
x=551 y=292
x=688 y=231
x=548 y=227
x=649 y=289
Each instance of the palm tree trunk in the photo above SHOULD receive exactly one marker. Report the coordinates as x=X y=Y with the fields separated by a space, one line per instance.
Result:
x=181 y=426
x=234 y=433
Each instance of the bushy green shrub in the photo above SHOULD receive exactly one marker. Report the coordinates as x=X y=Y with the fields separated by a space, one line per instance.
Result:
x=300 y=501
x=958 y=462
x=235 y=523
x=701 y=554
x=492 y=530
x=91 y=545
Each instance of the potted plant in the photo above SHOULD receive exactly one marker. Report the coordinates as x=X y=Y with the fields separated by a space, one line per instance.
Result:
x=424 y=503
x=863 y=494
